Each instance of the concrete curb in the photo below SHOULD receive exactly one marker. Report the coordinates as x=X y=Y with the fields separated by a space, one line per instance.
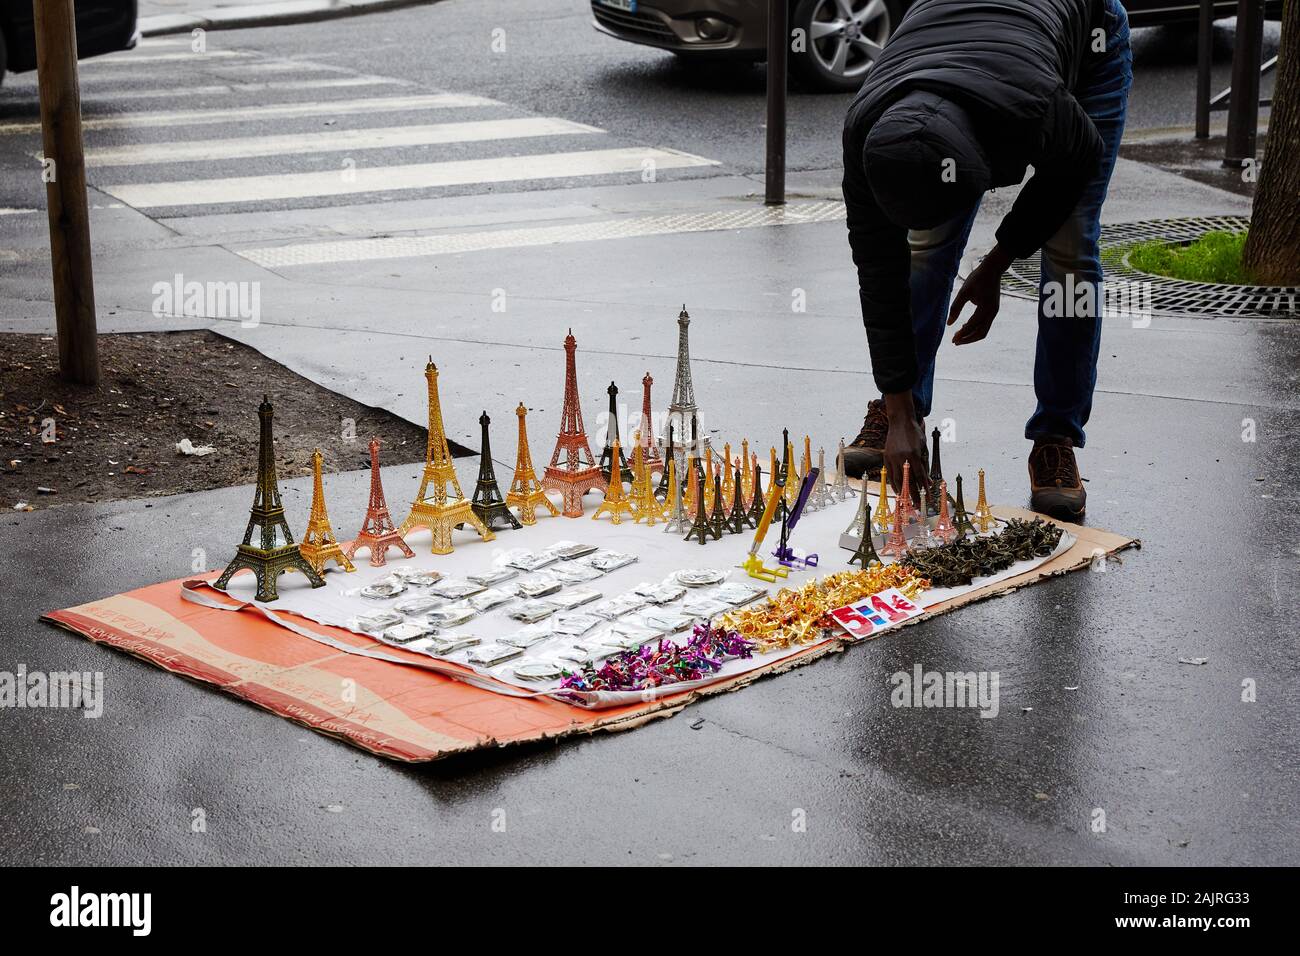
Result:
x=266 y=15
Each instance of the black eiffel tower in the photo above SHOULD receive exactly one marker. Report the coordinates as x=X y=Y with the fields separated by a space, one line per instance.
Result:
x=611 y=436
x=936 y=476
x=759 y=504
x=866 y=554
x=960 y=517
x=488 y=503
x=662 y=491
x=274 y=553
x=703 y=527
x=739 y=516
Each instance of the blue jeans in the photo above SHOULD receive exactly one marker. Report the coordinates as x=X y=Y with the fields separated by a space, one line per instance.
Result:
x=1065 y=363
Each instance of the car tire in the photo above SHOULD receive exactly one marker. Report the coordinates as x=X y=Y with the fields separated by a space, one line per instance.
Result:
x=835 y=55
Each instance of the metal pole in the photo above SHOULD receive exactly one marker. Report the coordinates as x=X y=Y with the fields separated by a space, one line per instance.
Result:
x=1243 y=106
x=64 y=172
x=1204 y=60
x=778 y=48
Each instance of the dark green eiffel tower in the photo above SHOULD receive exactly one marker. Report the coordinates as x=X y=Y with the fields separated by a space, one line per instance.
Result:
x=275 y=551
x=488 y=503
x=866 y=553
x=960 y=519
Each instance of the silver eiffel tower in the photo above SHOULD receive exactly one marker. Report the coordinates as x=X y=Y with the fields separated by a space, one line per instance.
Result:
x=683 y=408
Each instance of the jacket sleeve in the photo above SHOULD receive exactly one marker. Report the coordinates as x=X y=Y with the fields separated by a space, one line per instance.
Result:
x=1067 y=159
x=883 y=259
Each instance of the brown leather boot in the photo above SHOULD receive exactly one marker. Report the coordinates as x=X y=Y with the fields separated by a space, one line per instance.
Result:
x=866 y=454
x=1055 y=488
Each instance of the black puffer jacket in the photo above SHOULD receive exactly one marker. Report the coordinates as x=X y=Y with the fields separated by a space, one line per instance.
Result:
x=1012 y=66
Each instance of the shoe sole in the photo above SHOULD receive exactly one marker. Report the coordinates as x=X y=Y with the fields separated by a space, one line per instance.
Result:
x=1055 y=507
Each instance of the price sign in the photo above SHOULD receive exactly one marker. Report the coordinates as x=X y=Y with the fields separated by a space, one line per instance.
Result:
x=867 y=618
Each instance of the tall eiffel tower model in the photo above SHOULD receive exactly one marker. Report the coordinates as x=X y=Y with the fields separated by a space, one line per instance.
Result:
x=936 y=476
x=488 y=503
x=683 y=408
x=578 y=473
x=612 y=443
x=525 y=490
x=319 y=545
x=377 y=532
x=653 y=461
x=447 y=508
x=274 y=553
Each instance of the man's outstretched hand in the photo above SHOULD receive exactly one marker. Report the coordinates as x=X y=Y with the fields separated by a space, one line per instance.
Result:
x=905 y=443
x=982 y=289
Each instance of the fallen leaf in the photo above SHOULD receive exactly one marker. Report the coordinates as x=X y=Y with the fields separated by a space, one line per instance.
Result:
x=1193 y=660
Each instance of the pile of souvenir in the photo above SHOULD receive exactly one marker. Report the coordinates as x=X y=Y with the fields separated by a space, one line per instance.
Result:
x=959 y=562
x=666 y=663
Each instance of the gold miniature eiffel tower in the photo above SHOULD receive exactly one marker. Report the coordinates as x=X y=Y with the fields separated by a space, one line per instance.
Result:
x=793 y=479
x=318 y=542
x=805 y=463
x=274 y=553
x=726 y=472
x=615 y=503
x=645 y=505
x=708 y=480
x=525 y=490
x=746 y=471
x=448 y=508
x=884 y=514
x=691 y=495
x=983 y=517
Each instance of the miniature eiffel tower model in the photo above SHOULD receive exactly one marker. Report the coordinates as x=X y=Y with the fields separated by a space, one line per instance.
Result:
x=709 y=472
x=746 y=471
x=759 y=501
x=943 y=530
x=488 y=503
x=820 y=497
x=865 y=555
x=645 y=506
x=792 y=478
x=896 y=543
x=525 y=490
x=983 y=517
x=615 y=504
x=683 y=408
x=961 y=519
x=718 y=524
x=692 y=493
x=726 y=472
x=936 y=476
x=653 y=460
x=903 y=507
x=578 y=473
x=805 y=463
x=377 y=532
x=858 y=528
x=447 y=508
x=274 y=553
x=841 y=490
x=884 y=514
x=701 y=526
x=739 y=518
x=678 y=519
x=663 y=491
x=319 y=546
x=611 y=442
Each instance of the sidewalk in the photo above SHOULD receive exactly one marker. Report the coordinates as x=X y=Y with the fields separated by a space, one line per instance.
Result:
x=161 y=17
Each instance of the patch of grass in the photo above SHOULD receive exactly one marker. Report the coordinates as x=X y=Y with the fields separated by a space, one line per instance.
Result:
x=1214 y=257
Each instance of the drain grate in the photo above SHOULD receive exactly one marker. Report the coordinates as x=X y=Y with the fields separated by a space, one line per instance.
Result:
x=1162 y=295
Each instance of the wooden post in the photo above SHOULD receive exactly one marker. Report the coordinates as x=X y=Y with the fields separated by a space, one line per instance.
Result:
x=64 y=171
x=778 y=48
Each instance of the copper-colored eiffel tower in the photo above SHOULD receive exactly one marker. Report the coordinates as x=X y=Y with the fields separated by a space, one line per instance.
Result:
x=653 y=459
x=440 y=505
x=319 y=545
x=488 y=503
x=943 y=528
x=525 y=490
x=274 y=553
x=377 y=532
x=577 y=473
x=896 y=542
x=612 y=441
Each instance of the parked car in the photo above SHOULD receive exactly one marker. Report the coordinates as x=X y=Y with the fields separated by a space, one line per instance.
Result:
x=842 y=36
x=103 y=26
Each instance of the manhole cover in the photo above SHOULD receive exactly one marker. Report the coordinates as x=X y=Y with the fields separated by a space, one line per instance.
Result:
x=1131 y=291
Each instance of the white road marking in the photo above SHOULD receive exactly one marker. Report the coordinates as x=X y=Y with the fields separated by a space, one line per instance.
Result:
x=116 y=96
x=371 y=179
x=8 y=211
x=346 y=140
x=379 y=104
x=403 y=247
x=131 y=60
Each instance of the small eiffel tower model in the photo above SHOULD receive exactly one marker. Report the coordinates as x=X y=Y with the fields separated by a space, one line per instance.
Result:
x=645 y=506
x=663 y=491
x=678 y=519
x=607 y=456
x=319 y=546
x=718 y=523
x=944 y=530
x=884 y=514
x=726 y=473
x=860 y=527
x=746 y=471
x=572 y=471
x=739 y=519
x=896 y=542
x=702 y=526
x=960 y=518
x=377 y=532
x=488 y=503
x=615 y=504
x=936 y=476
x=683 y=408
x=274 y=553
x=841 y=490
x=820 y=497
x=903 y=507
x=440 y=505
x=983 y=517
x=653 y=460
x=525 y=490
x=865 y=555
x=759 y=501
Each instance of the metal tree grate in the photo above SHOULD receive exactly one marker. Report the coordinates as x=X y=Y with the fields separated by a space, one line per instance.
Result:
x=1166 y=296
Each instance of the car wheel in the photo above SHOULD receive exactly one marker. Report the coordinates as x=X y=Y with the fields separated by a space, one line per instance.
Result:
x=841 y=40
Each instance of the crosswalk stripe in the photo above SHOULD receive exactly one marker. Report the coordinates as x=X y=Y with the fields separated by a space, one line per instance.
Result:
x=379 y=104
x=403 y=247
x=117 y=96
x=371 y=179
x=333 y=141
x=133 y=59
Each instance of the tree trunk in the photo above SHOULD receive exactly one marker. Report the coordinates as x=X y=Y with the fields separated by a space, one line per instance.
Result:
x=1272 y=253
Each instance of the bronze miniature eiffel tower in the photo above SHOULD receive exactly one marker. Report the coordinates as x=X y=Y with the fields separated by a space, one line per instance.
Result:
x=702 y=527
x=759 y=503
x=377 y=532
x=739 y=517
x=718 y=524
x=669 y=456
x=488 y=503
x=961 y=522
x=447 y=508
x=865 y=555
x=612 y=442
x=578 y=473
x=319 y=545
x=525 y=490
x=936 y=476
x=652 y=458
x=274 y=553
